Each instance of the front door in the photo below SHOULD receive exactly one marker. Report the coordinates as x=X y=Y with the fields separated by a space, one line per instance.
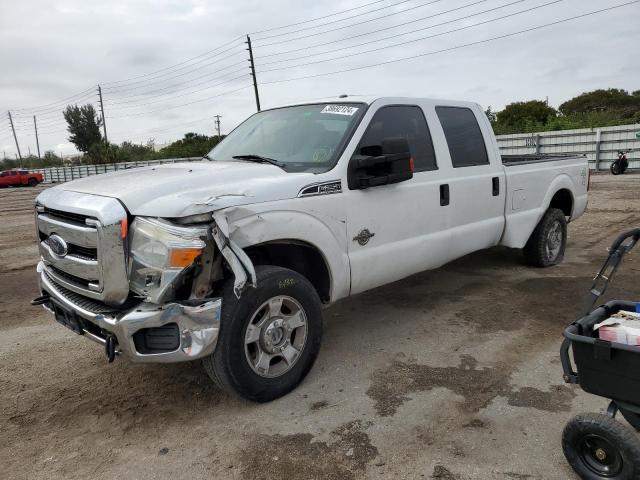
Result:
x=399 y=229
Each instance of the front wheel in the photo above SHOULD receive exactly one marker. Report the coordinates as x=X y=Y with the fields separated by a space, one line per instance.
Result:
x=269 y=338
x=548 y=241
x=32 y=182
x=598 y=447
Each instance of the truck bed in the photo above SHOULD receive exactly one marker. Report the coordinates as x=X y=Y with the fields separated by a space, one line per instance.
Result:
x=509 y=160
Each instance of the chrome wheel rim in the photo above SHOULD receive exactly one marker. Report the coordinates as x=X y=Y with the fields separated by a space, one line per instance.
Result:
x=554 y=241
x=275 y=336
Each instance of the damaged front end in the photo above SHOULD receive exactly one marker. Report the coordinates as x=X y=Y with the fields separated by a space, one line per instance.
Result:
x=175 y=271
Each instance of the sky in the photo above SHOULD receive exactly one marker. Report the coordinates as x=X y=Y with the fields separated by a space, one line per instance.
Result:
x=168 y=66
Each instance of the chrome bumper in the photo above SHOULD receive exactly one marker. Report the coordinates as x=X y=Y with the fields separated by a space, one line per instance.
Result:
x=198 y=325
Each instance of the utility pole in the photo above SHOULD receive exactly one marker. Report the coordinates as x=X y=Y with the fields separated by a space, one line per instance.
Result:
x=13 y=129
x=217 y=122
x=253 y=72
x=104 y=122
x=35 y=126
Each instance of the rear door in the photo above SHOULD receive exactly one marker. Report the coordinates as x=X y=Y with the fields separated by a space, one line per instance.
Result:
x=399 y=229
x=476 y=184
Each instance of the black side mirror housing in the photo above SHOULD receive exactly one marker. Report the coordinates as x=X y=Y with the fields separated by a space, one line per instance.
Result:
x=383 y=164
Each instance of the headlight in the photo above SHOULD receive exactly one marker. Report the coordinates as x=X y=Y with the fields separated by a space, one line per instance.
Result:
x=159 y=252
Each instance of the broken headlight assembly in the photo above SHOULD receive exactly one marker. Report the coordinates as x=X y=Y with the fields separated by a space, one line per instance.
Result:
x=159 y=253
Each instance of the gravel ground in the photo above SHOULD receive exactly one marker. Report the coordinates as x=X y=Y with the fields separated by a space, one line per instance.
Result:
x=449 y=374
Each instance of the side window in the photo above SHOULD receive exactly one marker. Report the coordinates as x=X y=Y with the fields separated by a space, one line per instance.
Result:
x=407 y=122
x=461 y=129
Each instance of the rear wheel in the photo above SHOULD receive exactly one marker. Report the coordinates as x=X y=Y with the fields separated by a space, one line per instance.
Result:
x=548 y=241
x=32 y=182
x=615 y=168
x=269 y=338
x=598 y=447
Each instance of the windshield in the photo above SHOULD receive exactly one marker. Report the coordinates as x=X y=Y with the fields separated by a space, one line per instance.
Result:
x=303 y=138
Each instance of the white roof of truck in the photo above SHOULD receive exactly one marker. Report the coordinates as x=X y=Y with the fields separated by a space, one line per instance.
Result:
x=369 y=99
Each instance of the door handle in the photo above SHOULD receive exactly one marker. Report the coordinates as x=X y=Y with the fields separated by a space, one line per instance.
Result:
x=444 y=195
x=495 y=186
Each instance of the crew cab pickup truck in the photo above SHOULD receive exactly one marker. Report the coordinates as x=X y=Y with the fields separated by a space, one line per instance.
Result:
x=17 y=178
x=231 y=259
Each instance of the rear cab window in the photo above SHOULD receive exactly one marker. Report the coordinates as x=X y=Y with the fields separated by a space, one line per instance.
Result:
x=406 y=121
x=464 y=137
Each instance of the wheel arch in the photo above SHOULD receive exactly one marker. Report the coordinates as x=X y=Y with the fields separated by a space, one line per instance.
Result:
x=280 y=234
x=299 y=256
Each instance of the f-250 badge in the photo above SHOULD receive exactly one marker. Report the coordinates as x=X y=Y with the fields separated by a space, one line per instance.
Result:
x=363 y=237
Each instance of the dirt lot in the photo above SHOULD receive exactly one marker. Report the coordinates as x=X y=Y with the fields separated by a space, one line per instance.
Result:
x=450 y=374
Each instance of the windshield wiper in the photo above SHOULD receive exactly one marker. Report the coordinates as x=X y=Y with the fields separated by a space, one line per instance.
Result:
x=207 y=157
x=260 y=159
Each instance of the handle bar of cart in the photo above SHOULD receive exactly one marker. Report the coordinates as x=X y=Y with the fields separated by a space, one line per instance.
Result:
x=620 y=247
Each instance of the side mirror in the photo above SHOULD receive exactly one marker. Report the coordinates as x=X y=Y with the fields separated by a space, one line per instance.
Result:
x=383 y=164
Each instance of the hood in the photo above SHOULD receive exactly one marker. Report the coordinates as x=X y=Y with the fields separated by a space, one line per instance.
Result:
x=182 y=189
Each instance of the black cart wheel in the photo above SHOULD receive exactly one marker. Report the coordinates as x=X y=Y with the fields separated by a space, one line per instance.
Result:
x=598 y=447
x=269 y=338
x=632 y=417
x=548 y=241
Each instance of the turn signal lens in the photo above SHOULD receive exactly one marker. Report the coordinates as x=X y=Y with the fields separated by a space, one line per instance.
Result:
x=124 y=228
x=183 y=257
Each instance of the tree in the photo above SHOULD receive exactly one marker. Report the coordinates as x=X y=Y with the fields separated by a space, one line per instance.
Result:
x=610 y=100
x=83 y=124
x=522 y=116
x=192 y=145
x=50 y=159
x=491 y=115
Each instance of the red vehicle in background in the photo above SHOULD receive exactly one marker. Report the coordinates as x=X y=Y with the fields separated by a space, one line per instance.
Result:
x=17 y=178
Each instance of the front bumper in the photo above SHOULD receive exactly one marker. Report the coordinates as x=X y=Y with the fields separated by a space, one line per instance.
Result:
x=198 y=325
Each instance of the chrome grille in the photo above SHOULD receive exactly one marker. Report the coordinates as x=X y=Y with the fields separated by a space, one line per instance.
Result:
x=85 y=303
x=92 y=261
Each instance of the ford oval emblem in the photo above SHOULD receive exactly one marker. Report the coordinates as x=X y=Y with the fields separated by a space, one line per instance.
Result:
x=57 y=245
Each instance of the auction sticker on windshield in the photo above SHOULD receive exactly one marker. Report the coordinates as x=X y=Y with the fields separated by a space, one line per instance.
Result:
x=340 y=109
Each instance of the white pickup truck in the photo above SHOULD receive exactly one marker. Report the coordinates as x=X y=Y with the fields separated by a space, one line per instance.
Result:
x=231 y=259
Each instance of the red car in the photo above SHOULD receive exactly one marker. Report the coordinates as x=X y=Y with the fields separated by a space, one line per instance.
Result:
x=16 y=178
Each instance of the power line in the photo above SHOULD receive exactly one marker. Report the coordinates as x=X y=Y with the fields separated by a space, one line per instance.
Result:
x=378 y=30
x=176 y=84
x=466 y=27
x=185 y=104
x=317 y=18
x=336 y=21
x=154 y=93
x=119 y=88
x=403 y=33
x=350 y=25
x=237 y=39
x=180 y=95
x=54 y=106
x=40 y=107
x=457 y=47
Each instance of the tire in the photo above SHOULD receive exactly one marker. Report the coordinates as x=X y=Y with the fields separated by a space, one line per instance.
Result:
x=632 y=417
x=598 y=447
x=615 y=168
x=32 y=182
x=235 y=364
x=547 y=243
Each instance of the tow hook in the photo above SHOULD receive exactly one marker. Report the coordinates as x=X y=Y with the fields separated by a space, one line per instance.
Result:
x=40 y=300
x=110 y=348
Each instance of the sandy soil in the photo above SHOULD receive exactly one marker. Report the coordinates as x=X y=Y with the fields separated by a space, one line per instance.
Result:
x=449 y=374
